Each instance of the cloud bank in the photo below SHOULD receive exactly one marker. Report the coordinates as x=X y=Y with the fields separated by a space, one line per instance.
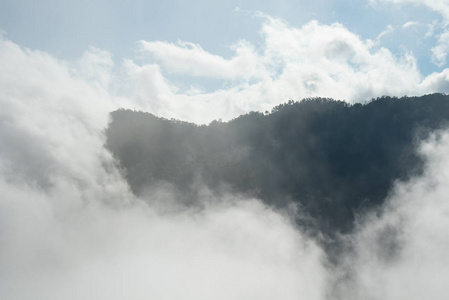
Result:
x=71 y=229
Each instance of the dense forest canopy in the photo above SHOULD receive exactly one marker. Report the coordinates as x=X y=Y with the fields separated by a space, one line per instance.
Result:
x=330 y=158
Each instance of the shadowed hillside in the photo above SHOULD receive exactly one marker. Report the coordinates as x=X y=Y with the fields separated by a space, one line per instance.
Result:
x=331 y=158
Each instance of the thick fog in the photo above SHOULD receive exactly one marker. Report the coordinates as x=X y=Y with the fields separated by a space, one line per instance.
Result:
x=71 y=229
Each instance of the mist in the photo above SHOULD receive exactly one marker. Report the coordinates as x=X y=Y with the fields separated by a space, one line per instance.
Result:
x=71 y=228
x=400 y=249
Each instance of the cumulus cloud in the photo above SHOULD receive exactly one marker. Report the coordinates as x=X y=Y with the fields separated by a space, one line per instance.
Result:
x=292 y=63
x=331 y=61
x=438 y=81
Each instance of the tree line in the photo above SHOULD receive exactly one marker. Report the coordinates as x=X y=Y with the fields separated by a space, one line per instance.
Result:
x=330 y=158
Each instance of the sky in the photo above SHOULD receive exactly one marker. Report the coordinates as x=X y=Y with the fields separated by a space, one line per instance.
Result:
x=71 y=229
x=205 y=60
x=67 y=28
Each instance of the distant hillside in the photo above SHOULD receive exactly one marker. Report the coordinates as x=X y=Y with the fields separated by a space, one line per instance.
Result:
x=330 y=157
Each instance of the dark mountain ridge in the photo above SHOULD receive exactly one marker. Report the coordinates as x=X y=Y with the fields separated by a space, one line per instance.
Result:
x=329 y=157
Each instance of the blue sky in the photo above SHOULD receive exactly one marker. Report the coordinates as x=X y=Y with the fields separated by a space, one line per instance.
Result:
x=230 y=57
x=67 y=28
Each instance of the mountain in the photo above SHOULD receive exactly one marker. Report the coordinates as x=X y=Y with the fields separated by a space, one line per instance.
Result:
x=329 y=158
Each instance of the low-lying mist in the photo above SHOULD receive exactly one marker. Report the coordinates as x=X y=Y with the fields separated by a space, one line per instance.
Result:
x=399 y=250
x=71 y=227
x=74 y=230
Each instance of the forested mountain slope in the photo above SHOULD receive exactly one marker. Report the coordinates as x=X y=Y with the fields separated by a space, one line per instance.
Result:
x=330 y=157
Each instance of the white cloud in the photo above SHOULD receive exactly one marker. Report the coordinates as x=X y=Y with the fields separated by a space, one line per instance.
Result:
x=410 y=24
x=438 y=81
x=46 y=112
x=236 y=251
x=70 y=229
x=387 y=31
x=441 y=50
x=401 y=253
x=96 y=66
x=292 y=63
x=191 y=59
